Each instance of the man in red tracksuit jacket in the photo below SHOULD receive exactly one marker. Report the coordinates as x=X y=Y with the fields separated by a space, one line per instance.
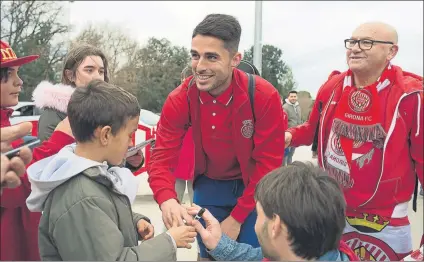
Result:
x=19 y=226
x=371 y=141
x=234 y=147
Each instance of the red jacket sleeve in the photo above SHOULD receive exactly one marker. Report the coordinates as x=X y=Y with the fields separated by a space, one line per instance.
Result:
x=185 y=167
x=303 y=135
x=268 y=152
x=169 y=137
x=16 y=197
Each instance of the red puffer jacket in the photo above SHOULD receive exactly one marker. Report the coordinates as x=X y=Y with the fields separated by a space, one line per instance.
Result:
x=19 y=226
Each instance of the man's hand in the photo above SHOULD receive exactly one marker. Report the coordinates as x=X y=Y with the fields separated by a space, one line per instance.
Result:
x=12 y=133
x=145 y=229
x=136 y=159
x=173 y=214
x=288 y=138
x=213 y=233
x=12 y=169
x=231 y=227
x=64 y=127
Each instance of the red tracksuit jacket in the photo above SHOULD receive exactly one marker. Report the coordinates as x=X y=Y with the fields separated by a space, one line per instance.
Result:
x=257 y=155
x=19 y=226
x=403 y=158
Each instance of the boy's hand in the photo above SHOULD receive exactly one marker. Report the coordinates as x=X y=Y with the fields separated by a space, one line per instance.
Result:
x=183 y=235
x=211 y=235
x=136 y=159
x=145 y=229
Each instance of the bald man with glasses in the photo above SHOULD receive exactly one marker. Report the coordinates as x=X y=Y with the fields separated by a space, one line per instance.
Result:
x=370 y=139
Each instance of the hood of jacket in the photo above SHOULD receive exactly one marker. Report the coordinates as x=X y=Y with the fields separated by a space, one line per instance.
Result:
x=288 y=102
x=49 y=173
x=55 y=96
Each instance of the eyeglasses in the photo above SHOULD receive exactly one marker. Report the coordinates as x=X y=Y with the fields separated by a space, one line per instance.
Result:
x=364 y=44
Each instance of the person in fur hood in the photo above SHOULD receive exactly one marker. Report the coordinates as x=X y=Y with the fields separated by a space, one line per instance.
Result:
x=82 y=64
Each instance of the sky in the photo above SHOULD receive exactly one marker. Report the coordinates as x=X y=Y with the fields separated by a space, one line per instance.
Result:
x=310 y=34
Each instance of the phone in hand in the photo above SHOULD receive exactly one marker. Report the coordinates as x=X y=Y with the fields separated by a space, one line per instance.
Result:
x=31 y=143
x=133 y=150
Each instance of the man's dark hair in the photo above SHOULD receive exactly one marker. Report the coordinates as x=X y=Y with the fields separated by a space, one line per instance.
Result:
x=293 y=92
x=4 y=74
x=309 y=203
x=100 y=104
x=224 y=27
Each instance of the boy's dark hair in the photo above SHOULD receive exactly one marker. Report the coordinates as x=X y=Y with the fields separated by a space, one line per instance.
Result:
x=293 y=92
x=4 y=74
x=224 y=27
x=309 y=203
x=100 y=104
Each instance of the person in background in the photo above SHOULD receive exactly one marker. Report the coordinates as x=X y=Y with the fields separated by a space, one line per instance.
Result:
x=294 y=114
x=285 y=231
x=82 y=64
x=371 y=123
x=19 y=226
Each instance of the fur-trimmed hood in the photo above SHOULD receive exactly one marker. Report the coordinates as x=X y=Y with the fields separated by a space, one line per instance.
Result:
x=48 y=95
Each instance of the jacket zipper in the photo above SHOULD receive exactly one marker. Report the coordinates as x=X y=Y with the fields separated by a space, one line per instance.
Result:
x=129 y=205
x=321 y=129
x=389 y=134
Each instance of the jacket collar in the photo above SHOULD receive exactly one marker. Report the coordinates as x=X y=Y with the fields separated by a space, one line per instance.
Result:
x=288 y=102
x=403 y=84
x=47 y=95
x=224 y=98
x=240 y=95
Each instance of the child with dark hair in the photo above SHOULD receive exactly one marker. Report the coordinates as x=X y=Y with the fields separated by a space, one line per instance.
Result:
x=86 y=203
x=18 y=226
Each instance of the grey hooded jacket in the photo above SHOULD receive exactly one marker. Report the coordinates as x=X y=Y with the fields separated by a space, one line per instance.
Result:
x=87 y=213
x=293 y=113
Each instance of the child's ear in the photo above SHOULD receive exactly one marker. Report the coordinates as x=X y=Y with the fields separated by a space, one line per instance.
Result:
x=105 y=134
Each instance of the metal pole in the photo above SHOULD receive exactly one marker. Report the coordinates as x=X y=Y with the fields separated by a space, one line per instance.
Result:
x=257 y=49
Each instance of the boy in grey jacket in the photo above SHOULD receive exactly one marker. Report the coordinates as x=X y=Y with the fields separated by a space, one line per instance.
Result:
x=86 y=205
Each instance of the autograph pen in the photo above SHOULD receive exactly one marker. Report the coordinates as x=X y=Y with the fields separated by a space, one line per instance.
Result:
x=199 y=214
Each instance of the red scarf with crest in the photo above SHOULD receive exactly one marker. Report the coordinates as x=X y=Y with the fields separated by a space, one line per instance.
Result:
x=357 y=120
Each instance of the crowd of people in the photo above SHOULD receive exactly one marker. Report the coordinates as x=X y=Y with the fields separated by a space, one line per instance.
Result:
x=223 y=133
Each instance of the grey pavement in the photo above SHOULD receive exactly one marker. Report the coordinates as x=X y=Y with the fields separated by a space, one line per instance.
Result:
x=145 y=205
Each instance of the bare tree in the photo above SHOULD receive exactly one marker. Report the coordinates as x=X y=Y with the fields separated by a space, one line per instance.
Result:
x=305 y=102
x=119 y=48
x=34 y=27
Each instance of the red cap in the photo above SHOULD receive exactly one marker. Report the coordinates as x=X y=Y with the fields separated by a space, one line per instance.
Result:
x=8 y=57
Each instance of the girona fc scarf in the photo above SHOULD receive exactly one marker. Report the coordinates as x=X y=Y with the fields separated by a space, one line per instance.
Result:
x=357 y=120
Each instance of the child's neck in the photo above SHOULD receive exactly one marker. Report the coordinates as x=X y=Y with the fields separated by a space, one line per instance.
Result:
x=89 y=151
